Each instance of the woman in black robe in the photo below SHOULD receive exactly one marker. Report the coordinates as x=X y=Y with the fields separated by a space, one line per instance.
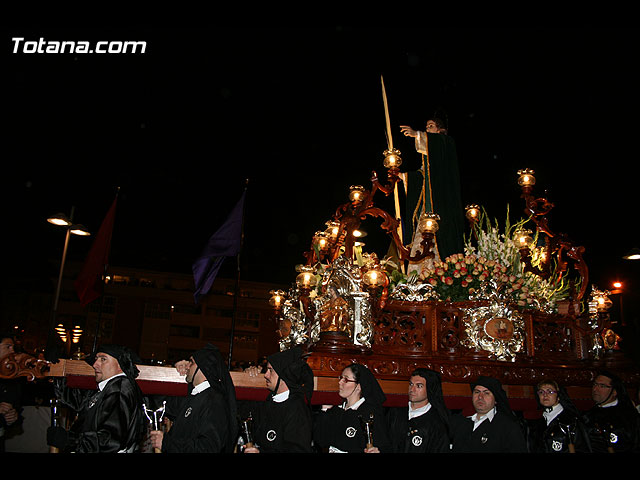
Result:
x=560 y=429
x=358 y=424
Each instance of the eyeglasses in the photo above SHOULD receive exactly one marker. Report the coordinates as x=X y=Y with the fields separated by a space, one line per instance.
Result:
x=601 y=385
x=546 y=392
x=345 y=379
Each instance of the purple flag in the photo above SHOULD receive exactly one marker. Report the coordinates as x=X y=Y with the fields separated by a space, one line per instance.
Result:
x=225 y=242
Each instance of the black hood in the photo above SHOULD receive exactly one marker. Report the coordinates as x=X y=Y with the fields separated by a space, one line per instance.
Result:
x=495 y=387
x=126 y=358
x=291 y=366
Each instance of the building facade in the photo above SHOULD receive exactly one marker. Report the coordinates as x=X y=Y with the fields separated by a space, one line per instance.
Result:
x=153 y=313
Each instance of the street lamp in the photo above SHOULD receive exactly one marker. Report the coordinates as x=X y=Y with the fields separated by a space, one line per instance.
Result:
x=71 y=229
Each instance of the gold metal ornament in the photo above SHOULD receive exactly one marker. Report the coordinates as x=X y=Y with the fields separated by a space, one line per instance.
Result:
x=496 y=329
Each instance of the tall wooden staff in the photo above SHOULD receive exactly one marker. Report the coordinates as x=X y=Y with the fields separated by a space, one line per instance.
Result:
x=396 y=198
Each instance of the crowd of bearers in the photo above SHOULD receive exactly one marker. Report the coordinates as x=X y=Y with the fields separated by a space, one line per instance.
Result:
x=208 y=419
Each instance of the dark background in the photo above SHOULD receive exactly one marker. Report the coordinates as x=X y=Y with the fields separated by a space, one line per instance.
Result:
x=299 y=113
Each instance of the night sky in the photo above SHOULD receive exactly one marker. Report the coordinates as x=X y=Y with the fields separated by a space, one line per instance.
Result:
x=299 y=113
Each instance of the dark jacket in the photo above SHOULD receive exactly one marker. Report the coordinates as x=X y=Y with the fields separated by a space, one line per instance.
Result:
x=112 y=419
x=427 y=433
x=503 y=434
x=614 y=428
x=344 y=429
x=564 y=430
x=280 y=427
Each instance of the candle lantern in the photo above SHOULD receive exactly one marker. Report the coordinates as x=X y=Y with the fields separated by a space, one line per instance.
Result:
x=277 y=299
x=306 y=279
x=356 y=193
x=373 y=277
x=526 y=178
x=523 y=238
x=321 y=240
x=332 y=230
x=603 y=302
x=472 y=212
x=392 y=158
x=429 y=222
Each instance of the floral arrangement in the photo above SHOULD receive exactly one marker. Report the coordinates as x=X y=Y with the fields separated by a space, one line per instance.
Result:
x=494 y=260
x=461 y=277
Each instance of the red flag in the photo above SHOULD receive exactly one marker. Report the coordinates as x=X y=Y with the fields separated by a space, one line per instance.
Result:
x=89 y=284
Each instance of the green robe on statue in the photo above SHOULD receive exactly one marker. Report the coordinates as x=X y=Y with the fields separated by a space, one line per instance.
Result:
x=437 y=192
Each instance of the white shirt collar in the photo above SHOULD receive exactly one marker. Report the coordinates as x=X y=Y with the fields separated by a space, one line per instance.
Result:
x=549 y=415
x=478 y=420
x=416 y=412
x=103 y=383
x=200 y=387
x=354 y=406
x=281 y=397
x=610 y=404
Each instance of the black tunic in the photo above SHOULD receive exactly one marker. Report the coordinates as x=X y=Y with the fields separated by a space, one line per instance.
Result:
x=281 y=427
x=616 y=427
x=426 y=433
x=503 y=434
x=113 y=419
x=344 y=430
x=10 y=392
x=199 y=426
x=555 y=437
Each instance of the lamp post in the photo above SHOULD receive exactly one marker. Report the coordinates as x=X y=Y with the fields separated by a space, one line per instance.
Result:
x=633 y=254
x=69 y=335
x=71 y=229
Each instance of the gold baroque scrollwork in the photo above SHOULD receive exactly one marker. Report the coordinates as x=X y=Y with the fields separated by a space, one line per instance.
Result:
x=23 y=365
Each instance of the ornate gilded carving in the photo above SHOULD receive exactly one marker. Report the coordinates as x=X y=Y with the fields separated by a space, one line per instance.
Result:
x=413 y=290
x=23 y=365
x=496 y=328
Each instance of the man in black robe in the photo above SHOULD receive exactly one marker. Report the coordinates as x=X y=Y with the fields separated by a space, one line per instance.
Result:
x=112 y=419
x=282 y=423
x=612 y=423
x=422 y=426
x=205 y=421
x=10 y=392
x=494 y=428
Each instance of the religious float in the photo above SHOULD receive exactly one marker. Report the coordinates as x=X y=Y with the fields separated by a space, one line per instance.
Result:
x=514 y=302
